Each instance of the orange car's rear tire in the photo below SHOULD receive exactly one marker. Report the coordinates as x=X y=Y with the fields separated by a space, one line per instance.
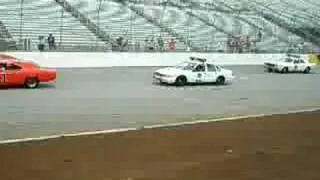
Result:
x=31 y=83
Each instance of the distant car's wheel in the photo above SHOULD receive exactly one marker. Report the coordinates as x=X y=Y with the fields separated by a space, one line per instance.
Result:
x=307 y=70
x=285 y=70
x=220 y=80
x=31 y=83
x=181 y=81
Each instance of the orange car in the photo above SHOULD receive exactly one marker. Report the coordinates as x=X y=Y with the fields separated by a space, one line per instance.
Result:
x=14 y=72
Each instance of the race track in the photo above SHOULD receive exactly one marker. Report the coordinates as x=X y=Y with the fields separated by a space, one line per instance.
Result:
x=97 y=99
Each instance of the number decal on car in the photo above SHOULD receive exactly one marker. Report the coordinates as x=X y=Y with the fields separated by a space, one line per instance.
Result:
x=3 y=77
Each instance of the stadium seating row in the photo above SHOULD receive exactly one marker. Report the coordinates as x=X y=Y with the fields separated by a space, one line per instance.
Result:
x=203 y=26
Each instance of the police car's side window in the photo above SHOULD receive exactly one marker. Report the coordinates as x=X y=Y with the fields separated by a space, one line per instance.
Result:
x=211 y=68
x=199 y=68
x=296 y=61
x=302 y=61
x=218 y=68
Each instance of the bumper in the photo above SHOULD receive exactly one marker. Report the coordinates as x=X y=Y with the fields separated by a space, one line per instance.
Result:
x=47 y=75
x=164 y=79
x=229 y=79
x=272 y=68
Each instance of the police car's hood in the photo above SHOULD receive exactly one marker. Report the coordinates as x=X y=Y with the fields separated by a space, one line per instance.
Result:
x=169 y=71
x=278 y=62
x=227 y=71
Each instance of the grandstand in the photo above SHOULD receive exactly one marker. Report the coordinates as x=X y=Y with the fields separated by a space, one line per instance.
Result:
x=202 y=25
x=119 y=20
x=41 y=17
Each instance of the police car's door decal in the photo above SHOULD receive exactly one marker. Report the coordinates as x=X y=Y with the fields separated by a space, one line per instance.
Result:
x=199 y=77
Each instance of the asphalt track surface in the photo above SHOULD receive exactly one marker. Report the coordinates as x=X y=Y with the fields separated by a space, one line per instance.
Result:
x=107 y=98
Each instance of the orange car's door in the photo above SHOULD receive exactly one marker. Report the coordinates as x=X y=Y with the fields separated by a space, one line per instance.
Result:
x=14 y=75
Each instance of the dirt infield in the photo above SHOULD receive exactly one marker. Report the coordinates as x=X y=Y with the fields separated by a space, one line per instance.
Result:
x=278 y=147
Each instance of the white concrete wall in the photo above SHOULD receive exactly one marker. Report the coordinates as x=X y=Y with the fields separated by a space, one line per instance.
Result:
x=89 y=60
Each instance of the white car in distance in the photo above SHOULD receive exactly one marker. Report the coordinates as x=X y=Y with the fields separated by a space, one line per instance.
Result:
x=290 y=64
x=193 y=71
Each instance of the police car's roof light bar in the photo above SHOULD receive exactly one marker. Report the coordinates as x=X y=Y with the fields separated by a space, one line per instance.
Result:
x=293 y=55
x=198 y=59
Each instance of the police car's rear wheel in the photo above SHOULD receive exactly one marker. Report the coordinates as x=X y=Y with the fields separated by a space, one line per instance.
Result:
x=31 y=83
x=181 y=81
x=220 y=80
x=285 y=70
x=307 y=70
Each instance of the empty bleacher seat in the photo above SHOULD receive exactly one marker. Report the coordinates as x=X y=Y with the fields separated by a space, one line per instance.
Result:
x=41 y=17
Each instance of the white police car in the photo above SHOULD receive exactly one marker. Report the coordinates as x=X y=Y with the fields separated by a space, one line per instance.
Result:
x=194 y=70
x=290 y=63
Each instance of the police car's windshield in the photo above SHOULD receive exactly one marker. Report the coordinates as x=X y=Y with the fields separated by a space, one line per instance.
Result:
x=186 y=65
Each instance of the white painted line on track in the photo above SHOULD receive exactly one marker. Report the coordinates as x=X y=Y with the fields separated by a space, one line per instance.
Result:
x=243 y=78
x=167 y=125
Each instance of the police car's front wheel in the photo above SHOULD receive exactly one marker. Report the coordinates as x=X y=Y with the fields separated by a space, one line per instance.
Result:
x=220 y=80
x=31 y=83
x=181 y=81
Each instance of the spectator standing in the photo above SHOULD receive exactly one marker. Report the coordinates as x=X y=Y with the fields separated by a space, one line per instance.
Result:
x=188 y=49
x=172 y=45
x=41 y=44
x=248 y=44
x=233 y=45
x=242 y=44
x=259 y=36
x=151 y=45
x=300 y=47
x=145 y=45
x=122 y=43
x=119 y=41
x=238 y=44
x=160 y=43
x=51 y=42
x=229 y=40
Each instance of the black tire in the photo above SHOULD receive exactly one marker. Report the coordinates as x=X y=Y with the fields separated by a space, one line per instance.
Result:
x=269 y=70
x=181 y=81
x=220 y=80
x=31 y=83
x=285 y=70
x=307 y=70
